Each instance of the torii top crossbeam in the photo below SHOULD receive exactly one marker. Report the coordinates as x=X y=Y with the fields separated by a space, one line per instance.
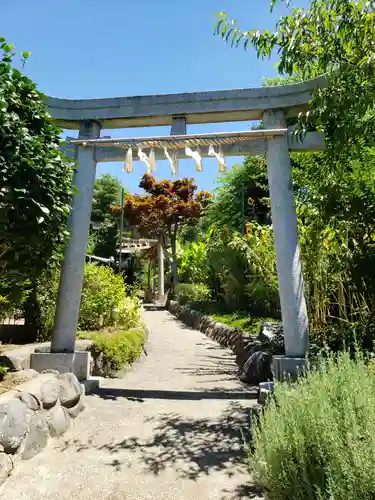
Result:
x=195 y=107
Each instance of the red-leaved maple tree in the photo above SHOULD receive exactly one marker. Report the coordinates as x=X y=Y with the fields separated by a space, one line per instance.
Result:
x=165 y=208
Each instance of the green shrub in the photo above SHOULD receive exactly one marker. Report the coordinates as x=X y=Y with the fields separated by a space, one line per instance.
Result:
x=191 y=292
x=317 y=439
x=356 y=332
x=102 y=291
x=3 y=370
x=193 y=265
x=115 y=350
x=262 y=295
x=130 y=311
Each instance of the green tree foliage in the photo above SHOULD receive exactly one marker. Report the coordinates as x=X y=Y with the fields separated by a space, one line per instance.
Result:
x=243 y=269
x=193 y=264
x=280 y=81
x=104 y=230
x=335 y=38
x=335 y=190
x=192 y=292
x=35 y=179
x=335 y=204
x=335 y=198
x=240 y=270
x=107 y=190
x=336 y=213
x=248 y=180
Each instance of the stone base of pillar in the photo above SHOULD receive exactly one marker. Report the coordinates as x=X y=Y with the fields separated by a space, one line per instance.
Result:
x=265 y=392
x=90 y=385
x=77 y=363
x=286 y=368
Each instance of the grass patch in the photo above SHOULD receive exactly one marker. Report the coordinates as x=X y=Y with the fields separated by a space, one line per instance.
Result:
x=112 y=351
x=237 y=319
x=243 y=321
x=3 y=370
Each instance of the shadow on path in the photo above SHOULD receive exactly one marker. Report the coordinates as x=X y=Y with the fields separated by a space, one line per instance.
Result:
x=191 y=446
x=243 y=492
x=141 y=395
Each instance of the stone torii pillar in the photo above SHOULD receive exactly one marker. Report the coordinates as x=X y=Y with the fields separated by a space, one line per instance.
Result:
x=289 y=271
x=62 y=356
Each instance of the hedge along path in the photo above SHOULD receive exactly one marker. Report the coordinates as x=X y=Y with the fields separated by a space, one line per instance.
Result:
x=169 y=429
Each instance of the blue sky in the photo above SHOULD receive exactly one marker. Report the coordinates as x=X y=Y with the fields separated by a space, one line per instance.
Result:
x=92 y=48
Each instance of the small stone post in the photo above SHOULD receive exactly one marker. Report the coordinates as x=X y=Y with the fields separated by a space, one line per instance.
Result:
x=154 y=278
x=161 y=271
x=284 y=220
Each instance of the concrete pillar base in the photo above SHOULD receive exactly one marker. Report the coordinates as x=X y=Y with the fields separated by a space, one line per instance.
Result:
x=265 y=392
x=76 y=362
x=286 y=368
x=90 y=385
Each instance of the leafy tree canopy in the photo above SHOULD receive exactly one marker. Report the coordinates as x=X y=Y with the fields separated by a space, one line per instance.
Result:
x=248 y=180
x=278 y=81
x=107 y=190
x=35 y=178
x=166 y=207
x=335 y=38
x=164 y=210
x=103 y=237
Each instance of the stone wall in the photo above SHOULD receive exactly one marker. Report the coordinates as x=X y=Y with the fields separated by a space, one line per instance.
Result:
x=33 y=413
x=244 y=345
x=225 y=335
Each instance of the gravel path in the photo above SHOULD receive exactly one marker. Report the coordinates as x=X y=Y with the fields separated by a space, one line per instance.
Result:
x=170 y=429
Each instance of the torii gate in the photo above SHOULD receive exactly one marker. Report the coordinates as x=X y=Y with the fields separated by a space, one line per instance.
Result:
x=273 y=105
x=136 y=245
